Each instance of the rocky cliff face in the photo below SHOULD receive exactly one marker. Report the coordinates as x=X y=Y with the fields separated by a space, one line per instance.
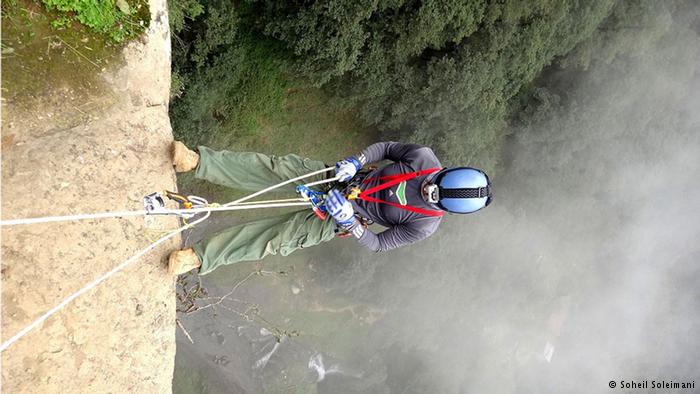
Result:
x=79 y=147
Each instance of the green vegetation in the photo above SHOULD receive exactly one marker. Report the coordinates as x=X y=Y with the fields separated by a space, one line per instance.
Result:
x=64 y=46
x=448 y=75
x=42 y=53
x=440 y=73
x=235 y=88
x=475 y=81
x=119 y=20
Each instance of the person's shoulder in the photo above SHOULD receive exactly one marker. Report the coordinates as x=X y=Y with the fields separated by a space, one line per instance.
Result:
x=427 y=224
x=423 y=157
x=430 y=154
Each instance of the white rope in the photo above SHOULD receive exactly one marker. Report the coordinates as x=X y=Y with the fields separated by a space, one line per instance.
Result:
x=102 y=278
x=105 y=215
x=231 y=208
x=88 y=287
x=282 y=184
x=322 y=181
x=298 y=199
x=291 y=202
x=67 y=218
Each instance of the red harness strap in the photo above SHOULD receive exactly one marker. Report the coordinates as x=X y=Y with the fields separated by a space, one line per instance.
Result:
x=392 y=180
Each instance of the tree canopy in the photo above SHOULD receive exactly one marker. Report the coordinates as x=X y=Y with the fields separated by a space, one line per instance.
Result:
x=437 y=72
x=444 y=73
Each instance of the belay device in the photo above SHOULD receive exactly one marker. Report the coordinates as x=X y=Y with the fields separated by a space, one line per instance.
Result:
x=316 y=199
x=154 y=203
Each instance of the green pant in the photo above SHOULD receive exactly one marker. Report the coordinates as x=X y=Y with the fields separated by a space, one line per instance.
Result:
x=282 y=234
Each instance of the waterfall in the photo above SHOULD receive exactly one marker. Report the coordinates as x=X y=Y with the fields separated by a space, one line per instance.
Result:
x=316 y=363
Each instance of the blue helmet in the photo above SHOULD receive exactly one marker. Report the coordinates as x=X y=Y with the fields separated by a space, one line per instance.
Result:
x=459 y=190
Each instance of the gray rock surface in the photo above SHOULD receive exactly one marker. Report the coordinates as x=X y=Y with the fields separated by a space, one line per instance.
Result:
x=66 y=153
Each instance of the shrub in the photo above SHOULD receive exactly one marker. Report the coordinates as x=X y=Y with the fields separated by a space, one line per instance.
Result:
x=118 y=20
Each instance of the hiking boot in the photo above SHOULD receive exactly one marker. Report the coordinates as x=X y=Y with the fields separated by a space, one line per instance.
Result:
x=183 y=158
x=182 y=261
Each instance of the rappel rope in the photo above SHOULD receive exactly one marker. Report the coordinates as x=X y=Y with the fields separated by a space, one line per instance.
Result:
x=202 y=207
x=288 y=182
x=85 y=289
x=106 y=215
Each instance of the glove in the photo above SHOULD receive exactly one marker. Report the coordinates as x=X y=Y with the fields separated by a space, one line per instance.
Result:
x=347 y=168
x=341 y=210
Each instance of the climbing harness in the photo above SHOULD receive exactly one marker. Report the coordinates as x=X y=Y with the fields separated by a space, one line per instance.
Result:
x=353 y=191
x=154 y=204
x=356 y=193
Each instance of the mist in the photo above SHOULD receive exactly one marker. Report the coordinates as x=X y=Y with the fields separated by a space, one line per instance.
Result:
x=584 y=269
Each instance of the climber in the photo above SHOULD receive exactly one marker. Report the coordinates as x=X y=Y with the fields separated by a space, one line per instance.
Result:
x=408 y=196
